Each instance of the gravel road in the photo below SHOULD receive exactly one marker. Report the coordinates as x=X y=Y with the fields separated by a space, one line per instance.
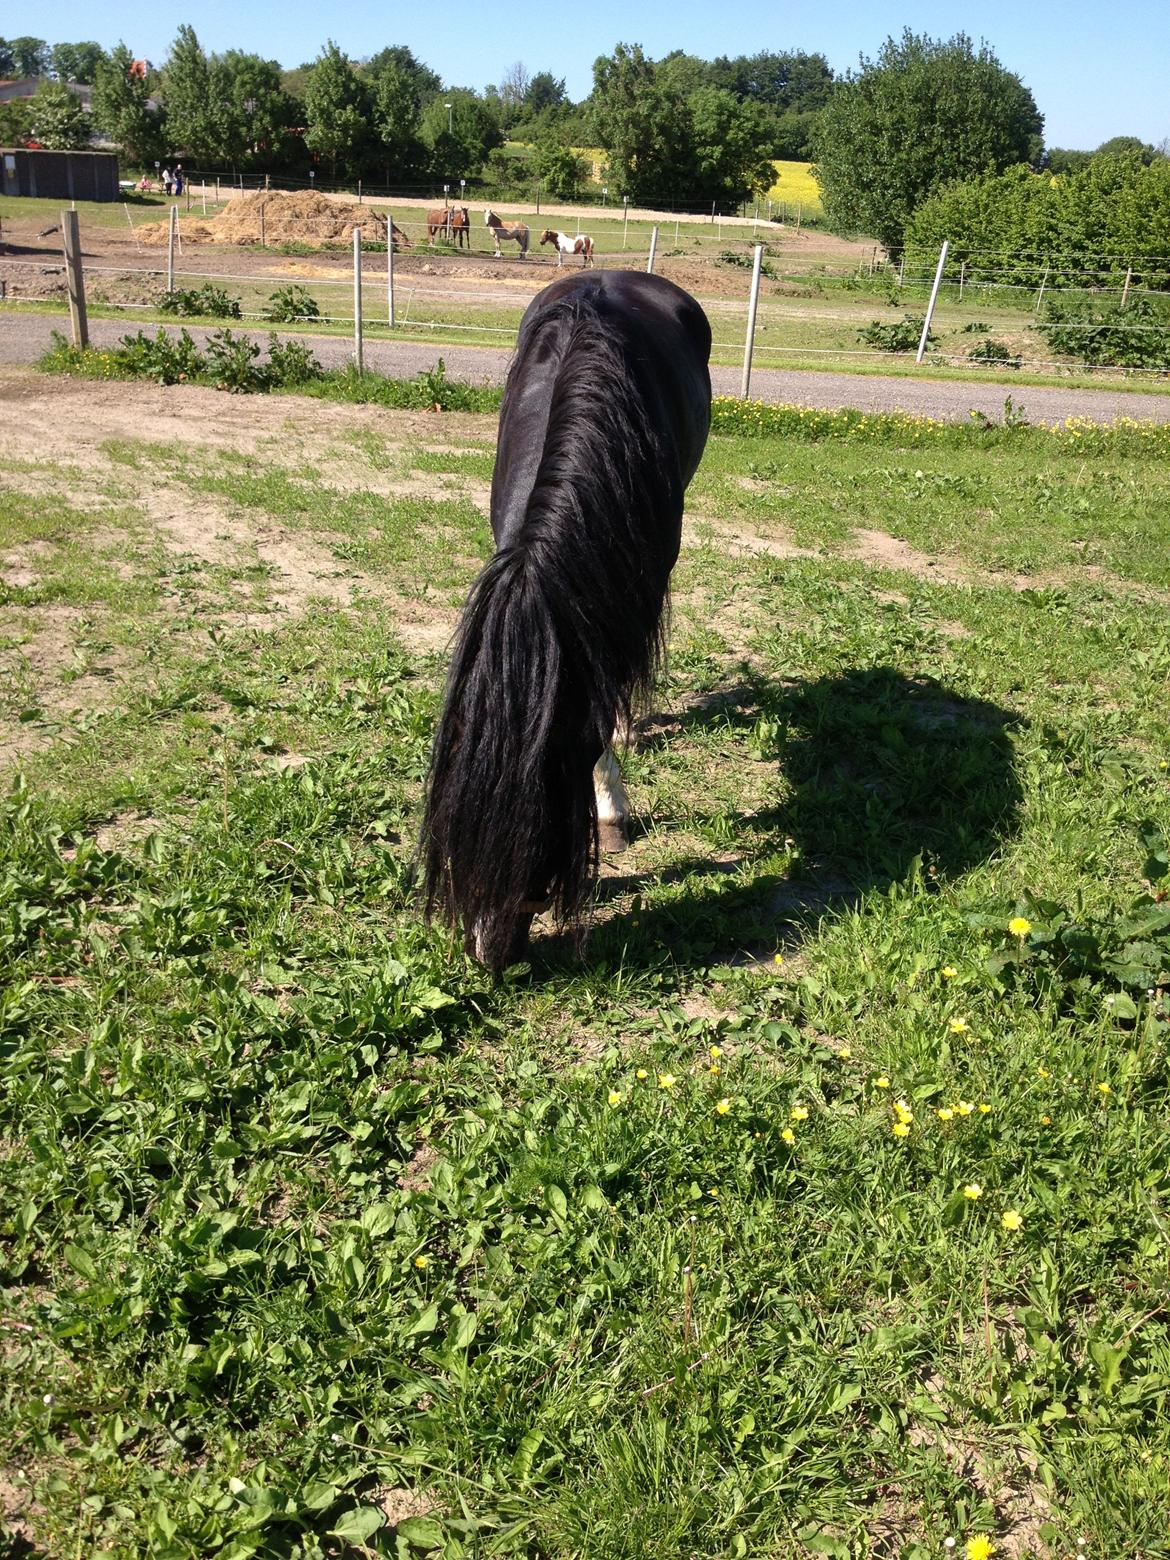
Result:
x=23 y=337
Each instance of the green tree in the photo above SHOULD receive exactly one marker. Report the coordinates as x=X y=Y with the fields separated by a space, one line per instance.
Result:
x=191 y=120
x=339 y=112
x=424 y=80
x=545 y=92
x=250 y=111
x=460 y=140
x=644 y=129
x=76 y=61
x=791 y=82
x=560 y=169
x=730 y=145
x=58 y=119
x=29 y=57
x=396 y=120
x=122 y=108
x=922 y=113
x=15 y=122
x=1125 y=145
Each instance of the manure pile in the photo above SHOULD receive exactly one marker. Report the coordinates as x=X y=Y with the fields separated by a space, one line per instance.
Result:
x=304 y=217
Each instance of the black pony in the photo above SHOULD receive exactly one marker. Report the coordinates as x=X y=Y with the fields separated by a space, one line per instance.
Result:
x=604 y=419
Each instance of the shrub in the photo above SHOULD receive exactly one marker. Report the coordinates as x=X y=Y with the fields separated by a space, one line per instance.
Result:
x=895 y=335
x=745 y=261
x=290 y=363
x=206 y=301
x=168 y=360
x=976 y=328
x=1098 y=330
x=291 y=303
x=990 y=351
x=231 y=363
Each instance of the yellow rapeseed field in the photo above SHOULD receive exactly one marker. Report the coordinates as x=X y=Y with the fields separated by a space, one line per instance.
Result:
x=794 y=182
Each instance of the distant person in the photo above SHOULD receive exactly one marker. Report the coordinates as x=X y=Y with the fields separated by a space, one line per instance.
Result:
x=178 y=178
x=166 y=181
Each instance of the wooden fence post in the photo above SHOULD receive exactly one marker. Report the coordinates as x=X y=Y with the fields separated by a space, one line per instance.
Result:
x=1125 y=289
x=749 y=344
x=77 y=314
x=171 y=232
x=357 y=298
x=390 y=269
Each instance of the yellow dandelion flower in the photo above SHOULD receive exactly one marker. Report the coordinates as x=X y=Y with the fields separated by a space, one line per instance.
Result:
x=788 y=1136
x=881 y=1083
x=985 y=1110
x=973 y=1191
x=980 y=1548
x=723 y=1107
x=945 y=1113
x=641 y=1073
x=1104 y=1088
x=844 y=1053
x=666 y=1080
x=421 y=1260
x=778 y=958
x=949 y=972
x=958 y=1026
x=1043 y=1072
x=1011 y=1220
x=901 y=1129
x=614 y=1097
x=714 y=1069
x=715 y=1052
x=798 y=1113
x=1019 y=926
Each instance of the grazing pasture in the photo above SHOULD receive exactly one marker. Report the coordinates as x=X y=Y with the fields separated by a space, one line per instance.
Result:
x=822 y=1208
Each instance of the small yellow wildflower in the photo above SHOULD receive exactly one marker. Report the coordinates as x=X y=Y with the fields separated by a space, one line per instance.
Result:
x=901 y=1129
x=985 y=1110
x=715 y=1052
x=421 y=1260
x=789 y=1136
x=903 y=1111
x=1044 y=1073
x=945 y=1113
x=666 y=1080
x=778 y=958
x=723 y=1107
x=964 y=1107
x=881 y=1083
x=1019 y=926
x=714 y=1069
x=641 y=1073
x=1045 y=1121
x=1104 y=1088
x=713 y=1192
x=1011 y=1220
x=844 y=1053
x=980 y=1548
x=949 y=972
x=973 y=1191
x=958 y=1026
x=614 y=1097
x=798 y=1113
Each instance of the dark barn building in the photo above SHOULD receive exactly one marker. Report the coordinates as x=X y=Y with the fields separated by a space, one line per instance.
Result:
x=60 y=175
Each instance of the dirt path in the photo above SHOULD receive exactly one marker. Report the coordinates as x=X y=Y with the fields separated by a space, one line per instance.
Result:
x=24 y=337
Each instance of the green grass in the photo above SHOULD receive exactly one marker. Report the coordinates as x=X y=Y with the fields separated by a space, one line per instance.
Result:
x=315 y=1239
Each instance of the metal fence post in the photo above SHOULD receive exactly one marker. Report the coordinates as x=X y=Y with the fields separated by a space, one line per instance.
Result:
x=745 y=382
x=171 y=235
x=653 y=248
x=357 y=298
x=390 y=269
x=942 y=260
x=77 y=314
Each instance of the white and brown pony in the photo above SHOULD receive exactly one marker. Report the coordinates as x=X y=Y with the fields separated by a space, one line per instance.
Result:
x=513 y=230
x=581 y=245
x=604 y=419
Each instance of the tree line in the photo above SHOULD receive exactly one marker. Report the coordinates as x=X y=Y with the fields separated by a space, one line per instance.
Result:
x=679 y=131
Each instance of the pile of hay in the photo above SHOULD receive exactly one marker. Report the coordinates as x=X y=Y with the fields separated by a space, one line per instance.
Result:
x=306 y=218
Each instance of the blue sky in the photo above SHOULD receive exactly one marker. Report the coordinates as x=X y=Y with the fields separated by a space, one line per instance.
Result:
x=1095 y=70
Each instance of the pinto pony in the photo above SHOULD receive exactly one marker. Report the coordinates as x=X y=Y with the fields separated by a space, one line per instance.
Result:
x=581 y=245
x=604 y=419
x=513 y=230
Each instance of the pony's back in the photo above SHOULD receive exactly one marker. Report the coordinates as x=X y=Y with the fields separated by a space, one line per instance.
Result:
x=604 y=419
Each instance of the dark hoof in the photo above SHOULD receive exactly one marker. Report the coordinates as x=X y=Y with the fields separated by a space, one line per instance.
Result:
x=612 y=837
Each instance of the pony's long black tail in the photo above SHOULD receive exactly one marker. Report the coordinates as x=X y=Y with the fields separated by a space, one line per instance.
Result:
x=562 y=630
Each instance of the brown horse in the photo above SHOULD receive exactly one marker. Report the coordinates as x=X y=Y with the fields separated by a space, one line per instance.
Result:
x=513 y=230
x=581 y=245
x=452 y=220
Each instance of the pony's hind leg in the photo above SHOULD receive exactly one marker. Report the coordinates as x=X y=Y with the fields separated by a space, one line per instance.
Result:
x=613 y=805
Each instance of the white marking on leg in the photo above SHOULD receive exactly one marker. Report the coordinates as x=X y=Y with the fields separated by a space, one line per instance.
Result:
x=613 y=805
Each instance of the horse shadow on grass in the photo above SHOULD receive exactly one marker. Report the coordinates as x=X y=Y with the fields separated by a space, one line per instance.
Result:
x=881 y=777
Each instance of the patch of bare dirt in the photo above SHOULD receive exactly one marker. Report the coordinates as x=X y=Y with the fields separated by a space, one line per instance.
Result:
x=416 y=1173
x=397 y=1503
